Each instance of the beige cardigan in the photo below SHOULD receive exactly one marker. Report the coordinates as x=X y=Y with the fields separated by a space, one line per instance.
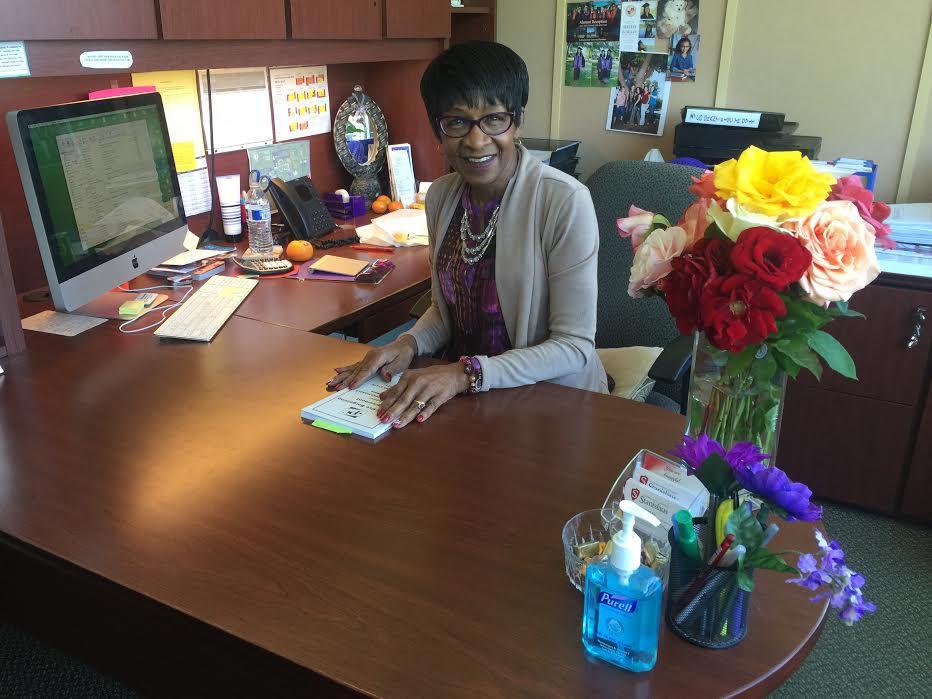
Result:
x=545 y=269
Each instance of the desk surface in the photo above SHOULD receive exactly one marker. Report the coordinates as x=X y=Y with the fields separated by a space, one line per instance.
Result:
x=428 y=564
x=323 y=306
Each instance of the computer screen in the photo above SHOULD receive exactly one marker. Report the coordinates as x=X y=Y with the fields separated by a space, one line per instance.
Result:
x=100 y=180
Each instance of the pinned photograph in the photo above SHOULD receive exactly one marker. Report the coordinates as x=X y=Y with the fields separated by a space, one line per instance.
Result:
x=684 y=57
x=638 y=101
x=677 y=17
x=591 y=64
x=592 y=21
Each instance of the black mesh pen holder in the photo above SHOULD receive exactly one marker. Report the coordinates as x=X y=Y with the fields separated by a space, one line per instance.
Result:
x=705 y=606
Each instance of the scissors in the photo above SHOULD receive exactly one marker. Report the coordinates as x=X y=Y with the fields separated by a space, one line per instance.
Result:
x=263 y=180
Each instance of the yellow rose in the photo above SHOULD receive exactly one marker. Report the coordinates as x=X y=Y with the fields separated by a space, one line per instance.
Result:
x=782 y=184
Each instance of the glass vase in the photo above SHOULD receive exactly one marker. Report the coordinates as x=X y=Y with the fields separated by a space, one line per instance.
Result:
x=733 y=406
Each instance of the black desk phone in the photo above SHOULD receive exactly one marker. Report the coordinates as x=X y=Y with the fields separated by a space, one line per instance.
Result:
x=304 y=212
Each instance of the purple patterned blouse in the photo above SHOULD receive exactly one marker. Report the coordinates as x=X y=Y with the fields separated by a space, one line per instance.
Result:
x=470 y=290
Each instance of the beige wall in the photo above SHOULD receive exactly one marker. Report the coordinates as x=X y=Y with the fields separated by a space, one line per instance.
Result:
x=837 y=84
x=816 y=60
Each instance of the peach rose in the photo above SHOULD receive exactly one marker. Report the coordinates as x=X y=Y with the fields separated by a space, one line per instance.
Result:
x=842 y=247
x=695 y=220
x=652 y=261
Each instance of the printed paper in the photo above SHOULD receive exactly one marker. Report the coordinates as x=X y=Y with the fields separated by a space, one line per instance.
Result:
x=195 y=191
x=240 y=99
x=178 y=89
x=67 y=324
x=638 y=103
x=300 y=101
x=13 y=61
x=677 y=17
x=104 y=60
x=684 y=57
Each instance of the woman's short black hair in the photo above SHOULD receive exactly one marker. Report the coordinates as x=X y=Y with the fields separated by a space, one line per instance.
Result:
x=475 y=73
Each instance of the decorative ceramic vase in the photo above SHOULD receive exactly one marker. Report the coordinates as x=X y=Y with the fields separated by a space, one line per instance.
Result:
x=734 y=406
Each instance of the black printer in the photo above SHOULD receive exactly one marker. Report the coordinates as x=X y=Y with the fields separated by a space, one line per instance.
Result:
x=714 y=135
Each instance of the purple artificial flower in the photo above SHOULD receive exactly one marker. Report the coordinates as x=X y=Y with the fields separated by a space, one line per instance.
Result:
x=774 y=486
x=695 y=451
x=843 y=584
x=744 y=454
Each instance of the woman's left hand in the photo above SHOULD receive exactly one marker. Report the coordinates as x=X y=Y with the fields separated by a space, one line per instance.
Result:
x=432 y=386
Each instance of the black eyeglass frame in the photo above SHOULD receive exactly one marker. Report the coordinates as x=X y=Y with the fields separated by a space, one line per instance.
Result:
x=475 y=122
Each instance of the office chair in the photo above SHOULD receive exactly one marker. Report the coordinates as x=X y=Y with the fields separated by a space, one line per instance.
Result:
x=623 y=321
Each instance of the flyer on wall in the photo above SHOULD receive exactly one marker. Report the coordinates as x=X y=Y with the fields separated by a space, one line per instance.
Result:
x=300 y=101
x=592 y=30
x=638 y=30
x=639 y=100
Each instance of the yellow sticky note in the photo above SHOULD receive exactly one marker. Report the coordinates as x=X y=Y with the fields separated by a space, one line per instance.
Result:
x=184 y=156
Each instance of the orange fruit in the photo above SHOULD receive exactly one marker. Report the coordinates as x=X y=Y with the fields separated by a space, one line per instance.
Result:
x=379 y=207
x=395 y=205
x=299 y=251
x=383 y=197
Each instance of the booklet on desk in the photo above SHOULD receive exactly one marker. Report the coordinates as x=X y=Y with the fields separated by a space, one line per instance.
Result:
x=354 y=409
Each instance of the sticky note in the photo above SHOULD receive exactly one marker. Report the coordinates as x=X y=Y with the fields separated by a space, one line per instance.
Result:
x=329 y=426
x=184 y=156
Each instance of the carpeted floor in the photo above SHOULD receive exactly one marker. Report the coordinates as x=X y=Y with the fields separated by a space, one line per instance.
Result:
x=886 y=655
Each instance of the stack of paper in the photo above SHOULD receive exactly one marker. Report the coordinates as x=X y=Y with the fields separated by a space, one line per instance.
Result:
x=911 y=223
x=402 y=228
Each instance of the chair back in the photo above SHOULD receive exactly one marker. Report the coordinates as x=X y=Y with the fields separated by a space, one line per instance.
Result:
x=658 y=187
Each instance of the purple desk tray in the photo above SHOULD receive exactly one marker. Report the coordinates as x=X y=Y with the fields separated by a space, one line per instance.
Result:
x=354 y=208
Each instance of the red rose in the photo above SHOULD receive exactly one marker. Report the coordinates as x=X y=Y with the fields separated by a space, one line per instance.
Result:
x=708 y=259
x=775 y=258
x=738 y=310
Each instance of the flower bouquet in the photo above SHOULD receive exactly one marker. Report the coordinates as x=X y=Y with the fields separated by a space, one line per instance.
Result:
x=769 y=253
x=703 y=609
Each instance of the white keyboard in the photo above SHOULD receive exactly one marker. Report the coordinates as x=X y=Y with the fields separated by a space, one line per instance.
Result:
x=202 y=315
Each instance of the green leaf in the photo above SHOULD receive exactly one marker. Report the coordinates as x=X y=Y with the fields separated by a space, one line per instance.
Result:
x=716 y=475
x=797 y=349
x=833 y=353
x=747 y=530
x=802 y=315
x=788 y=365
x=741 y=361
x=764 y=368
x=714 y=232
x=840 y=310
x=762 y=558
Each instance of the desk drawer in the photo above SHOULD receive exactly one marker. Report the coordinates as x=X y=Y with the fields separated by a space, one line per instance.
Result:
x=385 y=319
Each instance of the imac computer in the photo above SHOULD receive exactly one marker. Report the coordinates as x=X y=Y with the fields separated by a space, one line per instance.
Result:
x=102 y=191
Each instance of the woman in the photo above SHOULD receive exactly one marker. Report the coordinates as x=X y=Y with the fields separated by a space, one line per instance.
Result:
x=621 y=104
x=513 y=250
x=645 y=102
x=645 y=11
x=634 y=104
x=683 y=64
x=578 y=63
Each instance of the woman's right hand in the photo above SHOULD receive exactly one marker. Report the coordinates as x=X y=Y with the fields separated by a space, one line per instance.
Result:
x=389 y=360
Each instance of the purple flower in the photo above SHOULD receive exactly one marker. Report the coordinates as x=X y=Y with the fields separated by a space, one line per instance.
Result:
x=695 y=451
x=773 y=485
x=843 y=585
x=744 y=454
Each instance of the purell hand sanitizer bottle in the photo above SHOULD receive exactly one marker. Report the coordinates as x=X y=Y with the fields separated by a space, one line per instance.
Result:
x=621 y=616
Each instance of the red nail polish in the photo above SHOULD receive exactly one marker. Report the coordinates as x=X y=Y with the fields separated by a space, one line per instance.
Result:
x=396 y=424
x=420 y=418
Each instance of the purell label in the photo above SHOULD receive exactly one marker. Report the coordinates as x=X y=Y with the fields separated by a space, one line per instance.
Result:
x=622 y=604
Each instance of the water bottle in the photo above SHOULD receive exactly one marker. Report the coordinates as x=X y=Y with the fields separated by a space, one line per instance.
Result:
x=258 y=217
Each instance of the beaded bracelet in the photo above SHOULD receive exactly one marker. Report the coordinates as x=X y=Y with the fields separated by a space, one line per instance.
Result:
x=473 y=370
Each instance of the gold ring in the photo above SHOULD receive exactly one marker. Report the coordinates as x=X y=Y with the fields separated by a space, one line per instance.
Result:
x=420 y=405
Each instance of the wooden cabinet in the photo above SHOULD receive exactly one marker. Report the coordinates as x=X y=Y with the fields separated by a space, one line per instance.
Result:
x=336 y=19
x=417 y=19
x=887 y=368
x=34 y=20
x=231 y=19
x=917 y=492
x=475 y=21
x=11 y=331
x=860 y=442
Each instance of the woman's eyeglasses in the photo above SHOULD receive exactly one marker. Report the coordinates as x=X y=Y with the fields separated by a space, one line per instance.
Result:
x=494 y=124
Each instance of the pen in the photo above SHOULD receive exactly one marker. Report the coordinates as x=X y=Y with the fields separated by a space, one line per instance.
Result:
x=372 y=248
x=686 y=535
x=700 y=580
x=734 y=553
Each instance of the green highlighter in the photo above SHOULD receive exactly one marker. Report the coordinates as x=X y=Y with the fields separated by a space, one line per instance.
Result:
x=686 y=535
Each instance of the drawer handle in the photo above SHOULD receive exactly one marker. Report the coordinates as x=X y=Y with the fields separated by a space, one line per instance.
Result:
x=919 y=317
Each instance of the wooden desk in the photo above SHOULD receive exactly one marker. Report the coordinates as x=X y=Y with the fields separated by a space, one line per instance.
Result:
x=362 y=310
x=181 y=527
